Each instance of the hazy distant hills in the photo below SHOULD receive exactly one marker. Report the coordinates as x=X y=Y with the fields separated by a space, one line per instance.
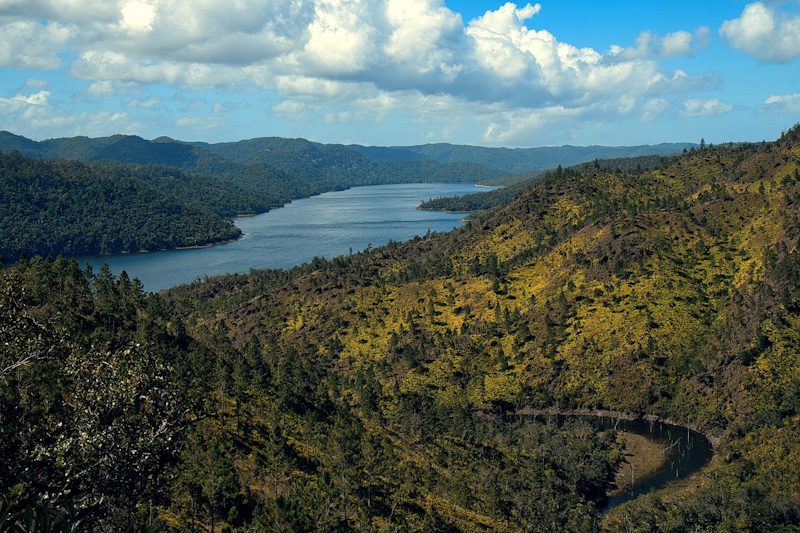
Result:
x=310 y=160
x=130 y=194
x=122 y=149
x=516 y=160
x=223 y=180
x=299 y=159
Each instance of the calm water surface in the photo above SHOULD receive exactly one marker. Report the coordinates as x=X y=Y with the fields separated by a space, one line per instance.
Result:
x=687 y=452
x=327 y=225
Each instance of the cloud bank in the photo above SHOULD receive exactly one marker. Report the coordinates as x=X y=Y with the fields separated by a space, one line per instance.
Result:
x=361 y=57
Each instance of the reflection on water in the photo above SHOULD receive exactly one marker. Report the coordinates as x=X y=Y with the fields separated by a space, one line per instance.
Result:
x=327 y=225
x=687 y=450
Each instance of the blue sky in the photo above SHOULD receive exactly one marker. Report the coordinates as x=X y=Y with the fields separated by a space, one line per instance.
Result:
x=389 y=72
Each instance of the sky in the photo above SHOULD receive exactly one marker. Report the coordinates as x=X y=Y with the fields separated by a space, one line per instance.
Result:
x=402 y=72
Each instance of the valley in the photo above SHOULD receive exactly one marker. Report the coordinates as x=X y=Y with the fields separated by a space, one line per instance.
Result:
x=390 y=266
x=371 y=391
x=326 y=225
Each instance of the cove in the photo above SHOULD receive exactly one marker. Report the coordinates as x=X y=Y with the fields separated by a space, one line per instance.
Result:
x=327 y=225
x=687 y=451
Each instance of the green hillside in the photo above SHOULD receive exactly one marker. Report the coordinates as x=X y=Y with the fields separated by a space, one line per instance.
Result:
x=514 y=184
x=64 y=207
x=376 y=391
x=274 y=170
x=518 y=160
x=670 y=291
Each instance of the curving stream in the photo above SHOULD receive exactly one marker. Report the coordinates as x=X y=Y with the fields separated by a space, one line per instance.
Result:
x=687 y=450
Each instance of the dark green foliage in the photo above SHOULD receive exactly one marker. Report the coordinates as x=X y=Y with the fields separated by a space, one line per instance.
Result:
x=518 y=160
x=94 y=404
x=132 y=194
x=222 y=196
x=273 y=170
x=378 y=391
x=112 y=412
x=316 y=168
x=54 y=207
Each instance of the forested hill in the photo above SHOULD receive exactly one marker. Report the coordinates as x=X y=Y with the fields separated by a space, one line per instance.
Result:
x=291 y=168
x=518 y=183
x=517 y=160
x=119 y=148
x=367 y=392
x=66 y=207
x=222 y=196
x=285 y=168
x=256 y=175
x=337 y=166
x=186 y=180
x=673 y=291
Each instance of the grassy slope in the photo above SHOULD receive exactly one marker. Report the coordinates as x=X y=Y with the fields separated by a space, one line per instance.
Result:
x=514 y=184
x=668 y=291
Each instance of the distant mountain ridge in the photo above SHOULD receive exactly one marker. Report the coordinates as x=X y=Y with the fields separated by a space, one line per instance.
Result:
x=289 y=168
x=228 y=179
x=287 y=154
x=516 y=160
x=119 y=148
x=124 y=194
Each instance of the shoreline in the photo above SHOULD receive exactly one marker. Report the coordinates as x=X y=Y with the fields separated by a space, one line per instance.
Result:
x=142 y=252
x=434 y=210
x=621 y=415
x=198 y=246
x=643 y=458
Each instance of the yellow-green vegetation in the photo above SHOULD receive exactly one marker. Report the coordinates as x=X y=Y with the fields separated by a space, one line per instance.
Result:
x=643 y=458
x=669 y=291
x=377 y=391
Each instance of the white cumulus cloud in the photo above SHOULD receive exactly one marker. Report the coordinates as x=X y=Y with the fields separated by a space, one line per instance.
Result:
x=789 y=103
x=146 y=103
x=650 y=45
x=38 y=99
x=138 y=15
x=764 y=32
x=711 y=107
x=652 y=108
x=29 y=44
x=326 y=58
x=393 y=45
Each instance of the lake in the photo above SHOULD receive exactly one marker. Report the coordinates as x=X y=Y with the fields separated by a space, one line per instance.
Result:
x=326 y=225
